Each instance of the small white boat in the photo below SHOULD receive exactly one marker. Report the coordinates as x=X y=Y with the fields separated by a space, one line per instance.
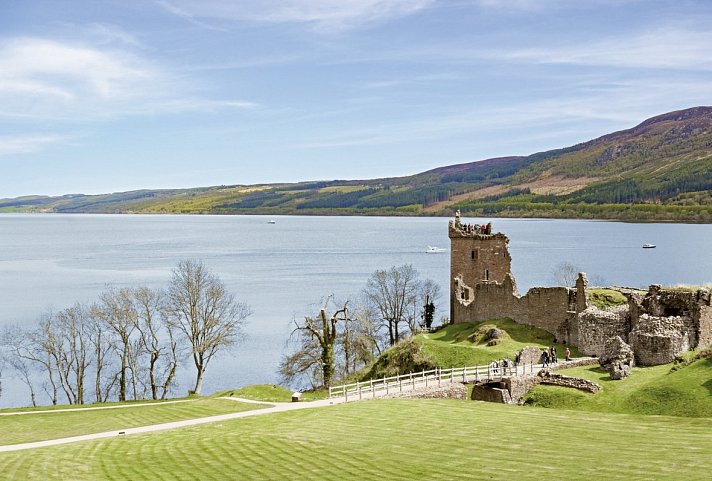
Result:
x=433 y=249
x=271 y=221
x=648 y=246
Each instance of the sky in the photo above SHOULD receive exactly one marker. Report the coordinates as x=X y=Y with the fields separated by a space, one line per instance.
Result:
x=101 y=96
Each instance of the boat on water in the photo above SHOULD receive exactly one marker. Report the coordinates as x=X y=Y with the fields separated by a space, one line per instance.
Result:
x=271 y=221
x=433 y=249
x=648 y=246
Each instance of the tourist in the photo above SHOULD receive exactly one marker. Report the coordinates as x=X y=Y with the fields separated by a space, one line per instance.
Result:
x=552 y=355
x=545 y=358
x=568 y=355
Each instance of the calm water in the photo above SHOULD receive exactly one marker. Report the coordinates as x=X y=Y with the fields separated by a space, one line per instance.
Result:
x=282 y=270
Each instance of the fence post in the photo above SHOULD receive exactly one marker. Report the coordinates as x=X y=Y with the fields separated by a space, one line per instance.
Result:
x=384 y=382
x=477 y=373
x=346 y=394
x=440 y=375
x=400 y=384
x=358 y=388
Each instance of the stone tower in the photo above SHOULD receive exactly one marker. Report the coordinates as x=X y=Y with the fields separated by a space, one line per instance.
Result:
x=477 y=256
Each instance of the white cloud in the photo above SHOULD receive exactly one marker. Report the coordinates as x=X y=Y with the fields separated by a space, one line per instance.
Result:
x=322 y=14
x=48 y=79
x=28 y=143
x=664 y=48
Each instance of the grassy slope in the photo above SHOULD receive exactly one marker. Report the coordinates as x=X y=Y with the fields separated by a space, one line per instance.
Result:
x=650 y=390
x=460 y=345
x=454 y=346
x=395 y=439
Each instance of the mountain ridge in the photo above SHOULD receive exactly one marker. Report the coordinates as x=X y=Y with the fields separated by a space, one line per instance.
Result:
x=660 y=169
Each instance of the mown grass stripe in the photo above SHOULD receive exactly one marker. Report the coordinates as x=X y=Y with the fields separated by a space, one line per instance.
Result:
x=394 y=439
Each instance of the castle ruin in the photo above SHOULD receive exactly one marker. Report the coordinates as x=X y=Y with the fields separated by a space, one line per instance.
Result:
x=658 y=325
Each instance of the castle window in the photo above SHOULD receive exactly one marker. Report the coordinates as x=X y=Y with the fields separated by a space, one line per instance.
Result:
x=486 y=274
x=475 y=254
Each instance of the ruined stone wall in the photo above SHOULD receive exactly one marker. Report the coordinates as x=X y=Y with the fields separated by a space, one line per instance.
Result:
x=658 y=340
x=705 y=325
x=491 y=392
x=543 y=307
x=546 y=308
x=448 y=391
x=596 y=326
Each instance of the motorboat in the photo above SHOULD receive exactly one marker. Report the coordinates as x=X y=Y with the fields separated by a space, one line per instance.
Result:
x=648 y=246
x=271 y=221
x=433 y=249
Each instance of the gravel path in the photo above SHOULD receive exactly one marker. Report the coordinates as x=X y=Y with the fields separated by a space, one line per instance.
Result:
x=270 y=408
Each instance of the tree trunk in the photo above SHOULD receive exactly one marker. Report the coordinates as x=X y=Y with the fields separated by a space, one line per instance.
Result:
x=198 y=381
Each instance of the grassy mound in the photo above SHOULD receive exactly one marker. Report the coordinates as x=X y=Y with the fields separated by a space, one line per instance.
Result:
x=457 y=345
x=658 y=390
x=406 y=356
x=467 y=344
x=605 y=298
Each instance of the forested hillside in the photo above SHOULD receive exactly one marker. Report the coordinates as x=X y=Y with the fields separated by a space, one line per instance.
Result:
x=658 y=170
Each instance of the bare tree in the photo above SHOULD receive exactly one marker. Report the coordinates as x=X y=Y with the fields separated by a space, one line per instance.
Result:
x=397 y=296
x=156 y=339
x=361 y=341
x=201 y=308
x=43 y=347
x=100 y=341
x=317 y=340
x=117 y=311
x=565 y=274
x=73 y=334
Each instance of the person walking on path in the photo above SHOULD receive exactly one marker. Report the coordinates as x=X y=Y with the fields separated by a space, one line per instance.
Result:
x=546 y=358
x=568 y=354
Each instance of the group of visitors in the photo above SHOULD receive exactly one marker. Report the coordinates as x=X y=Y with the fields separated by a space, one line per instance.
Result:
x=483 y=229
x=549 y=356
x=503 y=364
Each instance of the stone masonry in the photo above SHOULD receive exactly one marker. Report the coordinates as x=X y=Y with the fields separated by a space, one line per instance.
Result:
x=658 y=325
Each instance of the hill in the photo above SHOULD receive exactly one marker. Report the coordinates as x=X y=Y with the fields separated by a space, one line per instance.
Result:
x=660 y=169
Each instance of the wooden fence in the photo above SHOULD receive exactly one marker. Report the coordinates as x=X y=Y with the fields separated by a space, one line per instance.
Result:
x=435 y=377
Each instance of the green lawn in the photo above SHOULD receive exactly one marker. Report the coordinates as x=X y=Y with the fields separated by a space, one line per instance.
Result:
x=649 y=390
x=271 y=393
x=389 y=440
x=42 y=426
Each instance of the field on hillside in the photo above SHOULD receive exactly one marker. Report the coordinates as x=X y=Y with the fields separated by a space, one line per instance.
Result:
x=394 y=439
x=649 y=390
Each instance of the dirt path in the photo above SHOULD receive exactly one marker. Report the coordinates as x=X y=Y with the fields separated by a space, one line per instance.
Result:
x=271 y=408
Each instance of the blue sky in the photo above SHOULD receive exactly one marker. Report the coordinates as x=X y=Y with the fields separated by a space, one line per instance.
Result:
x=112 y=95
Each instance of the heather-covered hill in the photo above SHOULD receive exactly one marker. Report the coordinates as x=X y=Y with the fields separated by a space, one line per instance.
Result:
x=660 y=169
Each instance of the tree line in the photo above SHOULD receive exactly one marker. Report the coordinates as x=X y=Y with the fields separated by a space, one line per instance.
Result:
x=347 y=335
x=129 y=343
